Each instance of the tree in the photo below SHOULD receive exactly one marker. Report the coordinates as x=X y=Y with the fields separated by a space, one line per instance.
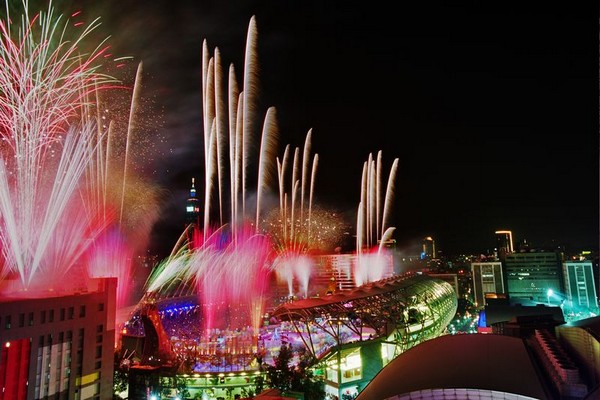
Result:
x=299 y=378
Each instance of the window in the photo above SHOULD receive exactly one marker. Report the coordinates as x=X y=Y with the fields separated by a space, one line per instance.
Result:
x=99 y=351
x=100 y=328
x=98 y=365
x=30 y=319
x=7 y=322
x=100 y=306
x=62 y=314
x=71 y=312
x=43 y=317
x=82 y=311
x=21 y=320
x=99 y=339
x=51 y=316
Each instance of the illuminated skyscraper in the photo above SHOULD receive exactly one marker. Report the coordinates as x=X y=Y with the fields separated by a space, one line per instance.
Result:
x=504 y=244
x=487 y=278
x=192 y=207
x=428 y=248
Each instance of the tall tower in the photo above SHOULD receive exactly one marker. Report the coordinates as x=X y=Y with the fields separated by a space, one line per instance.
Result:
x=504 y=244
x=192 y=207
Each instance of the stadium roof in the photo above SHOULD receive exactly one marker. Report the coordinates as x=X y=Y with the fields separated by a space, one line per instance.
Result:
x=395 y=283
x=379 y=307
x=591 y=325
x=477 y=361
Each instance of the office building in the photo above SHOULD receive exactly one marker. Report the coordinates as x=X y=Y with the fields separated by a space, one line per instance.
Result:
x=534 y=276
x=487 y=279
x=580 y=287
x=59 y=346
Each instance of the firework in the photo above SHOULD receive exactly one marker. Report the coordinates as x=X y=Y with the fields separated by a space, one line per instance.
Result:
x=372 y=232
x=58 y=158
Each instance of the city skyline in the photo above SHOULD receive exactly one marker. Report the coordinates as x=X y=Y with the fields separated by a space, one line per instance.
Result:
x=260 y=291
x=489 y=110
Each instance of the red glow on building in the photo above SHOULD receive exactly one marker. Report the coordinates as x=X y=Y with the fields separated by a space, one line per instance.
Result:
x=14 y=368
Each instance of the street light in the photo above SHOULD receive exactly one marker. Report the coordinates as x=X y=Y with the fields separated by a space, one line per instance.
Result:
x=550 y=292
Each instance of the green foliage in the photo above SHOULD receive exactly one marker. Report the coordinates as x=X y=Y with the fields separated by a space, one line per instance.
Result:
x=120 y=376
x=298 y=378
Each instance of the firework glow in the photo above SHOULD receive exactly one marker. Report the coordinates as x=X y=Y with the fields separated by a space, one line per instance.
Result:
x=58 y=159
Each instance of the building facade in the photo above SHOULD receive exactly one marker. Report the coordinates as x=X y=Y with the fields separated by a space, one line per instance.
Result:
x=487 y=278
x=428 y=249
x=59 y=347
x=504 y=243
x=580 y=286
x=534 y=276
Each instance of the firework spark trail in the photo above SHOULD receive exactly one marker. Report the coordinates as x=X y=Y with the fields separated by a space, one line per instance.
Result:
x=44 y=81
x=210 y=173
x=369 y=231
x=311 y=192
x=305 y=162
x=130 y=129
x=300 y=228
x=250 y=101
x=387 y=207
x=56 y=160
x=294 y=187
x=43 y=86
x=281 y=169
x=233 y=106
x=26 y=245
x=267 y=149
x=221 y=115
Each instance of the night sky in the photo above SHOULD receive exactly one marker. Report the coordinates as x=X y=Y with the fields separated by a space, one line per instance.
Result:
x=491 y=108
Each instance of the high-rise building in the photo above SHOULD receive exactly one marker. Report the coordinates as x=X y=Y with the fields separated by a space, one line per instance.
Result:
x=59 y=346
x=534 y=276
x=580 y=287
x=504 y=243
x=428 y=248
x=192 y=207
x=487 y=278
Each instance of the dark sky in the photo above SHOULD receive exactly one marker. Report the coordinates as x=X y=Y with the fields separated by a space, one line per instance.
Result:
x=490 y=107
